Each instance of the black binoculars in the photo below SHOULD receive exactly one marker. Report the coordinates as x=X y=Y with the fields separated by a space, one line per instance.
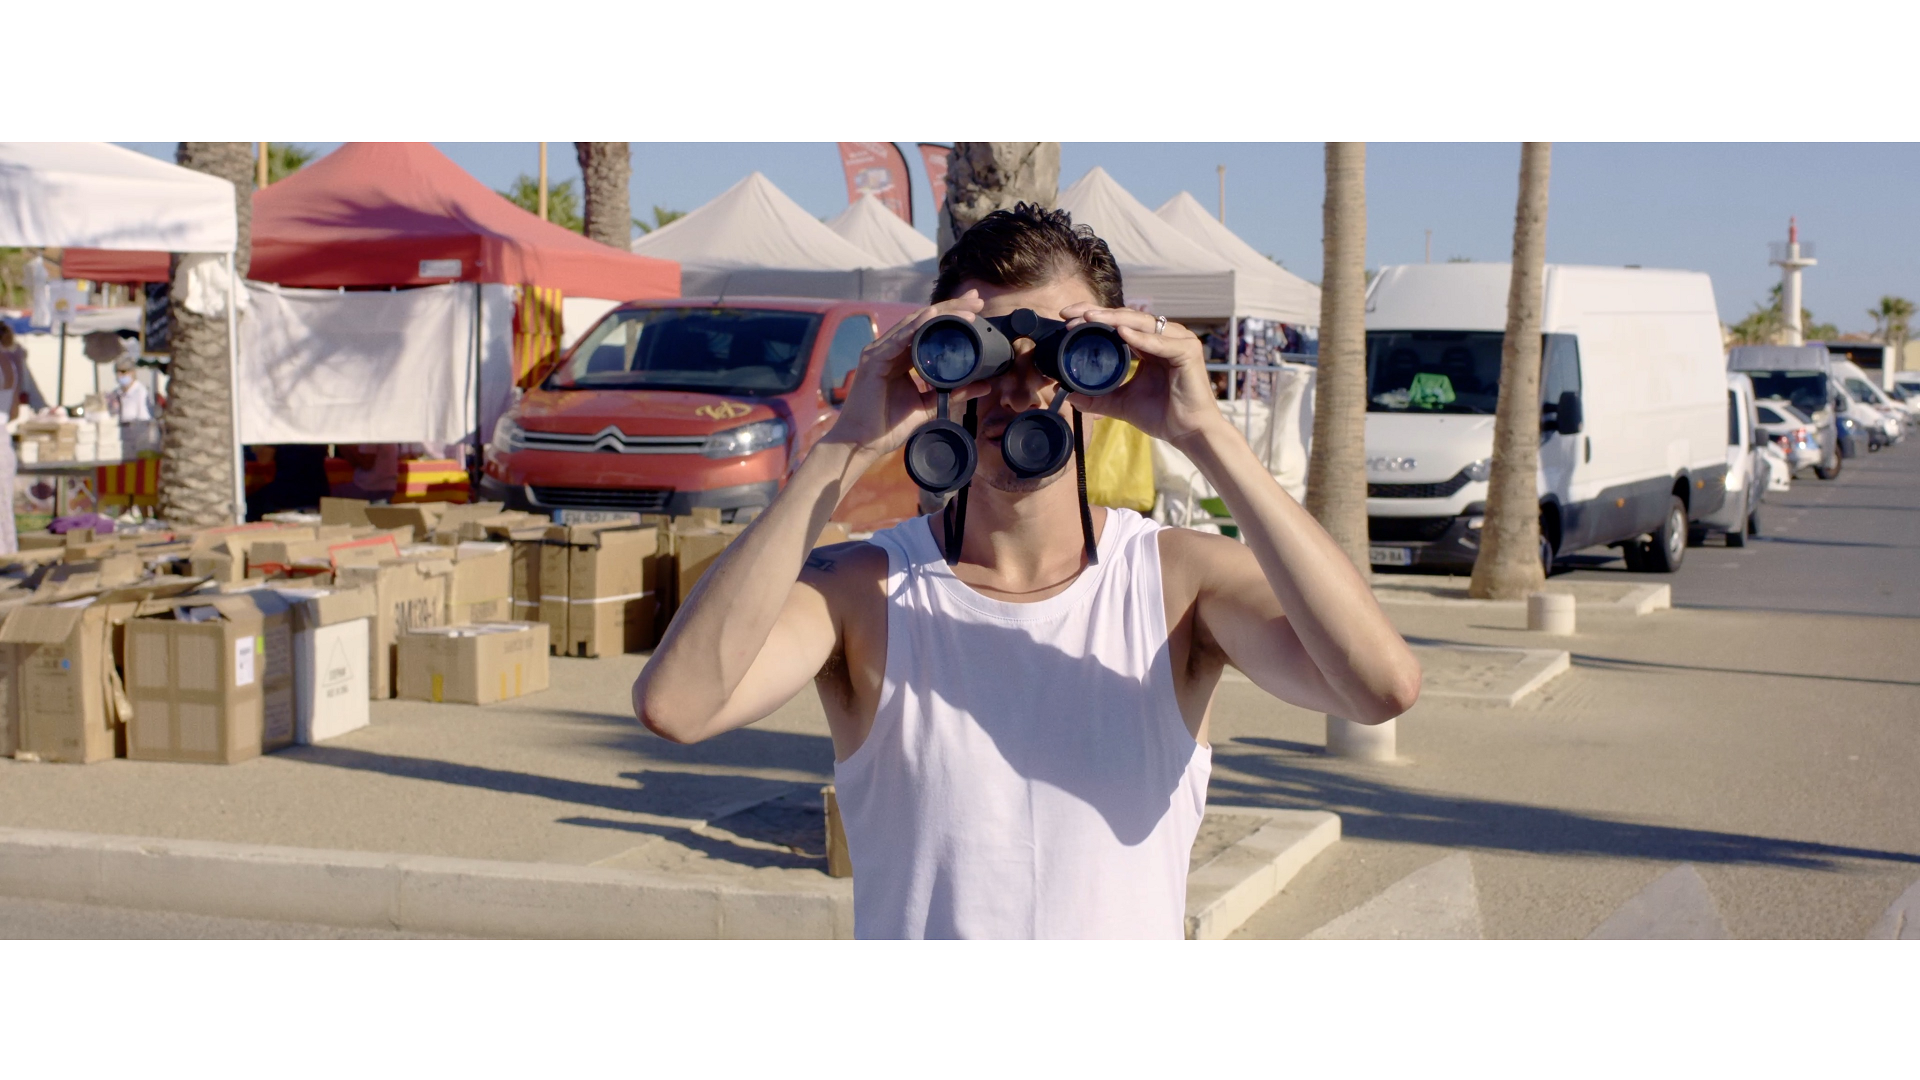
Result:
x=950 y=351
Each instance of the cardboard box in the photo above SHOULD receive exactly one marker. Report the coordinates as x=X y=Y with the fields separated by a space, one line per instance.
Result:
x=695 y=550
x=599 y=588
x=420 y=517
x=477 y=665
x=332 y=632
x=210 y=678
x=407 y=596
x=62 y=662
x=343 y=511
x=480 y=589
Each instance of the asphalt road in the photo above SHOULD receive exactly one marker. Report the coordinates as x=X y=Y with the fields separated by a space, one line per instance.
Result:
x=1847 y=546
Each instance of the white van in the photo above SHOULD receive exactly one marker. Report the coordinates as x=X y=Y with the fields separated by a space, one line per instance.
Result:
x=1633 y=385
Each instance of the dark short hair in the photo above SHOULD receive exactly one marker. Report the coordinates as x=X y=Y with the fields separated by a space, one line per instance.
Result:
x=1026 y=247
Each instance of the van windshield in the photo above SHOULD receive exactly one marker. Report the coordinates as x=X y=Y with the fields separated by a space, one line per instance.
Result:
x=716 y=350
x=1806 y=389
x=1446 y=371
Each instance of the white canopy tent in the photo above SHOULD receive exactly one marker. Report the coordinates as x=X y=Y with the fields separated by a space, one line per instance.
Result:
x=754 y=240
x=871 y=227
x=1162 y=269
x=96 y=195
x=1262 y=288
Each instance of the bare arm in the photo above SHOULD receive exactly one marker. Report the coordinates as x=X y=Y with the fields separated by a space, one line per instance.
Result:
x=1314 y=634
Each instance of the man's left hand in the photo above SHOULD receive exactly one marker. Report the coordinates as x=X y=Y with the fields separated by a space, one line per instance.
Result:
x=1169 y=396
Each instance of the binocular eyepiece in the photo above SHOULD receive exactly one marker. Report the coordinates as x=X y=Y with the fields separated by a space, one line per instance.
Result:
x=950 y=352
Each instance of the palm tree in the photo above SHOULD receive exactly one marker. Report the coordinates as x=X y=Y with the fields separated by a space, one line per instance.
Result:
x=563 y=203
x=606 y=169
x=662 y=217
x=1336 y=465
x=986 y=176
x=285 y=159
x=1510 y=564
x=196 y=458
x=1891 y=319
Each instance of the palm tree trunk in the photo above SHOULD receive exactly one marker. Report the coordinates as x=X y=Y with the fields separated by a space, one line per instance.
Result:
x=1337 y=464
x=196 y=457
x=606 y=168
x=1508 y=566
x=984 y=177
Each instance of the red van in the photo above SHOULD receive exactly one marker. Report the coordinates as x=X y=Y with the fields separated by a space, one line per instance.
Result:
x=668 y=405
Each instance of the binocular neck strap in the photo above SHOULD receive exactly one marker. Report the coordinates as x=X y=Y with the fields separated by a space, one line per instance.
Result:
x=1086 y=513
x=956 y=523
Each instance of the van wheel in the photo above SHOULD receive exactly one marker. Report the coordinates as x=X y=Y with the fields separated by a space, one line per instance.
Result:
x=1546 y=556
x=1696 y=536
x=1753 y=522
x=1669 y=544
x=1825 y=473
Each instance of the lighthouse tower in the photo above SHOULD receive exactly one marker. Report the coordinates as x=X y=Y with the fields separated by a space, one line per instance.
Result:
x=1791 y=261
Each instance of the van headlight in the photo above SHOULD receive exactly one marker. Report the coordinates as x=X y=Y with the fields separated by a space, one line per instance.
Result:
x=507 y=435
x=746 y=439
x=1480 y=470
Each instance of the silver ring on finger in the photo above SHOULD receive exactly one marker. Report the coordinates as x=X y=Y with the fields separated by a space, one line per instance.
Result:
x=1160 y=324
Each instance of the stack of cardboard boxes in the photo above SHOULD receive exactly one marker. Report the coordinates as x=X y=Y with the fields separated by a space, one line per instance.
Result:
x=218 y=644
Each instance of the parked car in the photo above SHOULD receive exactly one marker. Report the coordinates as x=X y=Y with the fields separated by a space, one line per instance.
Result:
x=1791 y=432
x=665 y=406
x=1868 y=422
x=1909 y=383
x=1747 y=471
x=1779 y=473
x=1865 y=389
x=1800 y=374
x=1633 y=414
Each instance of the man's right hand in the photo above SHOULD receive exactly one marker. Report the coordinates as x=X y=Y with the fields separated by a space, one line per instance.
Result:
x=888 y=400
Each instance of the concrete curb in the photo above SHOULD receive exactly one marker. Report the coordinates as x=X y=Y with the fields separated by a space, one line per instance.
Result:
x=1627 y=600
x=1239 y=881
x=421 y=893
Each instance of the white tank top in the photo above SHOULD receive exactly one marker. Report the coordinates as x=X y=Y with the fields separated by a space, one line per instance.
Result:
x=1028 y=774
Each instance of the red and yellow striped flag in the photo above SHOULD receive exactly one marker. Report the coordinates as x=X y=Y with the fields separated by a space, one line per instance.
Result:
x=537 y=326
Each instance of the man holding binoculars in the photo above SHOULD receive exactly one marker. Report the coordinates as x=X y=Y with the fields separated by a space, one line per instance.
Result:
x=1018 y=687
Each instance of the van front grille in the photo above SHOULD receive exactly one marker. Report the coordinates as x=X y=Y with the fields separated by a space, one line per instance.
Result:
x=1440 y=490
x=1407 y=530
x=645 y=500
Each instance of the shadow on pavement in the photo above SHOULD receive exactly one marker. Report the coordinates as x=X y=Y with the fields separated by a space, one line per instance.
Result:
x=1374 y=810
x=1823 y=543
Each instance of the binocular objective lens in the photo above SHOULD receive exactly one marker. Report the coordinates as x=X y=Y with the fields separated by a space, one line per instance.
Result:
x=946 y=354
x=1093 y=361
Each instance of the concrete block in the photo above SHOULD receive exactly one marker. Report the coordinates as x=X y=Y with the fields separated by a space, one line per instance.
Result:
x=1362 y=742
x=1550 y=613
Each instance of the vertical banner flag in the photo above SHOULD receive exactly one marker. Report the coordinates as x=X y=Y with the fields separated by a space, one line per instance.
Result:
x=880 y=170
x=934 y=157
x=537 y=327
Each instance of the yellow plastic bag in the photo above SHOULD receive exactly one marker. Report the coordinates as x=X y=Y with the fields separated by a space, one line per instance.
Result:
x=1119 y=465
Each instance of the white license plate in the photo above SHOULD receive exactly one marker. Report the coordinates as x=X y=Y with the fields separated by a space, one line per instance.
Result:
x=1390 y=556
x=594 y=517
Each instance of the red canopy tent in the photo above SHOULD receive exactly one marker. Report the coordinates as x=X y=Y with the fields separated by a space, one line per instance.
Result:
x=386 y=214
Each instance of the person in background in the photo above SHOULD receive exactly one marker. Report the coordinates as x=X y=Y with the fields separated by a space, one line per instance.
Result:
x=129 y=400
x=13 y=383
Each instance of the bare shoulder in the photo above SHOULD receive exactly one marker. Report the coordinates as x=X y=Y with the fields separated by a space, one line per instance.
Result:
x=1191 y=560
x=845 y=573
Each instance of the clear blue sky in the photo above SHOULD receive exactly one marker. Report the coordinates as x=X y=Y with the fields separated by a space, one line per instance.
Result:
x=1697 y=206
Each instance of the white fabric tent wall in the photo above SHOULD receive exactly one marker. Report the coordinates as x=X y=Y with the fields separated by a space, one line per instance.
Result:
x=1262 y=288
x=325 y=366
x=98 y=195
x=870 y=226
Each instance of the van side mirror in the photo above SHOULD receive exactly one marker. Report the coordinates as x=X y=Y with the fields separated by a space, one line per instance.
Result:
x=837 y=396
x=1568 y=417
